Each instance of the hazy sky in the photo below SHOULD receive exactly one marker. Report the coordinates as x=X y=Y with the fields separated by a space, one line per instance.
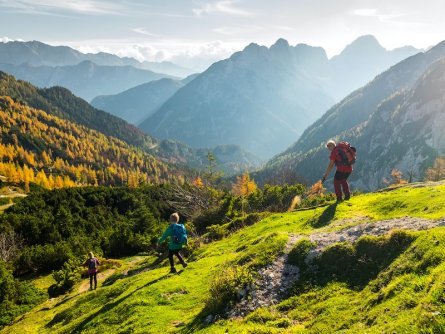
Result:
x=192 y=32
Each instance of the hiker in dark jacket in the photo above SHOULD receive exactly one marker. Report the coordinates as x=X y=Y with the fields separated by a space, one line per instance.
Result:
x=92 y=263
x=178 y=238
x=342 y=173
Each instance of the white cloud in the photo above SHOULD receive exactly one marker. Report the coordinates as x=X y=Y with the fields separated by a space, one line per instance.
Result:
x=6 y=39
x=223 y=7
x=197 y=55
x=143 y=31
x=55 y=7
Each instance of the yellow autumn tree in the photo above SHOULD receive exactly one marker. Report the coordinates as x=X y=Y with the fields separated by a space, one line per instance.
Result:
x=243 y=187
x=198 y=182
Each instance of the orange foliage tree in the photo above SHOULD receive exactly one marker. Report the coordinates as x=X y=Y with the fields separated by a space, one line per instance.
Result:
x=243 y=187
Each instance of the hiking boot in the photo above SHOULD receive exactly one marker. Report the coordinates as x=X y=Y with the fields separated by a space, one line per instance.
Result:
x=173 y=271
x=347 y=197
x=184 y=265
x=339 y=200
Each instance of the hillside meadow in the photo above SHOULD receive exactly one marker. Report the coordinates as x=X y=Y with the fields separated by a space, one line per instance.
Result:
x=393 y=283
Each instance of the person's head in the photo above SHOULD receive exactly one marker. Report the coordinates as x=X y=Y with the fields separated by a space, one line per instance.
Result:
x=174 y=218
x=330 y=145
x=91 y=255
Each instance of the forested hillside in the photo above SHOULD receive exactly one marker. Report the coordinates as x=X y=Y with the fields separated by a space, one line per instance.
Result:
x=62 y=103
x=53 y=152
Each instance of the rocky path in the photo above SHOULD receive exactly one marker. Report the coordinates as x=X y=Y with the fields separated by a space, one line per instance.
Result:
x=273 y=282
x=351 y=234
x=275 y=279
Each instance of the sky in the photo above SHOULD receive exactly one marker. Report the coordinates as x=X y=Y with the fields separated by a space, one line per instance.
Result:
x=195 y=33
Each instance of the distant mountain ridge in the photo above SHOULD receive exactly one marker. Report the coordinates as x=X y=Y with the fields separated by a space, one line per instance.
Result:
x=35 y=53
x=371 y=118
x=264 y=98
x=85 y=79
x=138 y=103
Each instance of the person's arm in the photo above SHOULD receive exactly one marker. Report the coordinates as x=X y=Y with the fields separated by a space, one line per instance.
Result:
x=164 y=236
x=328 y=170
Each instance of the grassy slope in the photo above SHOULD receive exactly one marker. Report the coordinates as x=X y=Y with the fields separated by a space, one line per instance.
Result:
x=406 y=295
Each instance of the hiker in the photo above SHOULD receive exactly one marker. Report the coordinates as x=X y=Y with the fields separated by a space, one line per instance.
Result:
x=178 y=238
x=343 y=157
x=92 y=263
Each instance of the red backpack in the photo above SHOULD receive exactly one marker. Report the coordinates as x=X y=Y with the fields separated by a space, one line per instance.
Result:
x=347 y=153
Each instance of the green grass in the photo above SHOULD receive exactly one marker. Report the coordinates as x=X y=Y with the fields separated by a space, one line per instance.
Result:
x=405 y=295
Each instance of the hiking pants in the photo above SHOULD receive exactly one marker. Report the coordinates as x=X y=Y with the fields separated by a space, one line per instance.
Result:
x=178 y=255
x=341 y=181
x=93 y=276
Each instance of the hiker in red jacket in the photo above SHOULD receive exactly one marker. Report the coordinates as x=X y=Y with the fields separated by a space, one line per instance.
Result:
x=344 y=169
x=92 y=263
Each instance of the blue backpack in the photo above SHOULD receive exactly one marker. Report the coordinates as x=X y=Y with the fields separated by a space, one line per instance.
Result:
x=179 y=234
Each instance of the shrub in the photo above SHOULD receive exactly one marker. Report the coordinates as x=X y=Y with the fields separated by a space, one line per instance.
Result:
x=66 y=277
x=298 y=254
x=15 y=297
x=216 y=232
x=355 y=264
x=225 y=287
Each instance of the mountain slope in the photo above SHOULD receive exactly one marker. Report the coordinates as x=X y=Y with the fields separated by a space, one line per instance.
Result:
x=257 y=99
x=396 y=281
x=62 y=103
x=138 y=103
x=348 y=119
x=85 y=79
x=45 y=149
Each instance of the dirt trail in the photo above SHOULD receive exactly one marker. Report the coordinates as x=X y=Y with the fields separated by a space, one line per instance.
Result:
x=101 y=276
x=275 y=279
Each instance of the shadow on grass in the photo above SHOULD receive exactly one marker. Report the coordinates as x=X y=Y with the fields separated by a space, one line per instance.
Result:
x=197 y=323
x=326 y=217
x=60 y=317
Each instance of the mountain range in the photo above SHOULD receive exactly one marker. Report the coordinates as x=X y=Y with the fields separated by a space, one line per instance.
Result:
x=85 y=79
x=61 y=103
x=35 y=53
x=395 y=121
x=264 y=98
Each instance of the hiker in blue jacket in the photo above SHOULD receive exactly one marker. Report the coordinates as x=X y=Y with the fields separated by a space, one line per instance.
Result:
x=178 y=238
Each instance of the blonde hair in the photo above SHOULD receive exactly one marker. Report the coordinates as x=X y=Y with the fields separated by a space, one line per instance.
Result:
x=174 y=217
x=91 y=255
x=331 y=142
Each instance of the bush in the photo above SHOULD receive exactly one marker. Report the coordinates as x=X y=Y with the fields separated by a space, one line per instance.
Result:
x=298 y=254
x=66 y=277
x=225 y=288
x=15 y=297
x=355 y=264
x=216 y=232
